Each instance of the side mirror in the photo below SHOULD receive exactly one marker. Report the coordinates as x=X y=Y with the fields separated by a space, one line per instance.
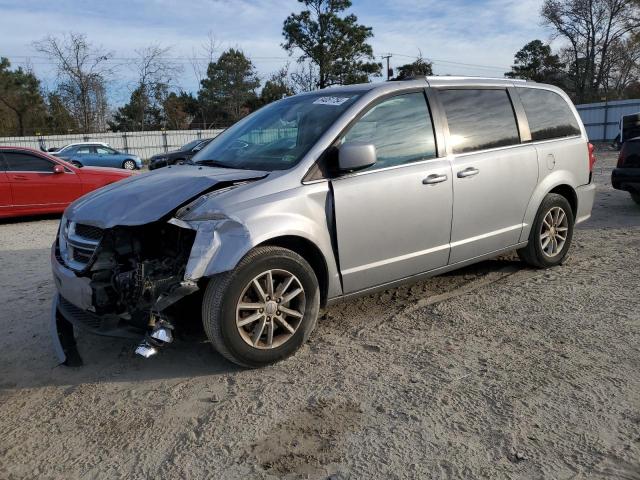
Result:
x=356 y=156
x=58 y=168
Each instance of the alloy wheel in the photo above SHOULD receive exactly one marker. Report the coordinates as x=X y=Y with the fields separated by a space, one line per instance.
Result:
x=553 y=231
x=270 y=309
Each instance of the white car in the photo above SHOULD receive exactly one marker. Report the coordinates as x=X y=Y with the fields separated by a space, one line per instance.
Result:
x=57 y=151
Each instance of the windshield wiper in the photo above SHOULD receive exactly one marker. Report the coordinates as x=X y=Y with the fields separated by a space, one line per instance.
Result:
x=213 y=163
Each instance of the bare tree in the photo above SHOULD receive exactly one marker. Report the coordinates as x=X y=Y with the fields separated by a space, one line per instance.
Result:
x=156 y=72
x=83 y=72
x=305 y=78
x=622 y=67
x=590 y=28
x=200 y=60
x=202 y=57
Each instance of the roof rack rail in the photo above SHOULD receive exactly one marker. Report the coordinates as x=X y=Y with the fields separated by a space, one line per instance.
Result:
x=458 y=77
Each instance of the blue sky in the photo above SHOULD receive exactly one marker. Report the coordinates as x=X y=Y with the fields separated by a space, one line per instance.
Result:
x=457 y=35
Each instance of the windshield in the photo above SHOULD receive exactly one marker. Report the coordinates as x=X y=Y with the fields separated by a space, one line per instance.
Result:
x=277 y=136
x=190 y=145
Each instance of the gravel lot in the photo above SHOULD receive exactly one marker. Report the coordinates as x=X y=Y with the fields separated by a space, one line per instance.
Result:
x=495 y=371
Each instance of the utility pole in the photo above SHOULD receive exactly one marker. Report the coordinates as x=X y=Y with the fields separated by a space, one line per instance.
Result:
x=389 y=72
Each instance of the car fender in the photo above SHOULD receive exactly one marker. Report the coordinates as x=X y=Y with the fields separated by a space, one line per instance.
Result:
x=224 y=239
x=551 y=181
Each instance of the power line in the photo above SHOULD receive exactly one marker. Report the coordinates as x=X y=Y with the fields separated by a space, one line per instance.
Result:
x=451 y=62
x=181 y=59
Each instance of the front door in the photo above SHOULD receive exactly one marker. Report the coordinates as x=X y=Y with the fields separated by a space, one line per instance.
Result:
x=85 y=155
x=393 y=219
x=494 y=175
x=106 y=157
x=35 y=186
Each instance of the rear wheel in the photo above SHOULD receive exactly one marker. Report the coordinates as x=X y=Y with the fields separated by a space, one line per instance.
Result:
x=635 y=197
x=264 y=309
x=551 y=233
x=129 y=165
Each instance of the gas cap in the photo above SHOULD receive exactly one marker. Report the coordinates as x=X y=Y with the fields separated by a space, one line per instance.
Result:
x=551 y=161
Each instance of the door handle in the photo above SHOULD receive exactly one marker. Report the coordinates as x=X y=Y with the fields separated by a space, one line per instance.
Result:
x=20 y=177
x=468 y=172
x=433 y=179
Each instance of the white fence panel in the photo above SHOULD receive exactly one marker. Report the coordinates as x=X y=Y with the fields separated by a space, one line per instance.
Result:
x=144 y=144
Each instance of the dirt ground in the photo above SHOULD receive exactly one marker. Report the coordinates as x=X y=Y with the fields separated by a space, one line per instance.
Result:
x=495 y=371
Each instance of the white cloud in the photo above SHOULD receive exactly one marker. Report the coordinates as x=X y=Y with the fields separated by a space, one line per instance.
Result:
x=486 y=32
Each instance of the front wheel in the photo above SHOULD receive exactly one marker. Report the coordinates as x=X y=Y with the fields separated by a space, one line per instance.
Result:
x=551 y=233
x=635 y=197
x=76 y=164
x=264 y=309
x=129 y=165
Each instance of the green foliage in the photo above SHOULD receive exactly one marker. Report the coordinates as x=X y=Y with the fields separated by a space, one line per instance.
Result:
x=179 y=110
x=535 y=62
x=415 y=69
x=276 y=87
x=143 y=112
x=336 y=44
x=59 y=120
x=229 y=89
x=20 y=99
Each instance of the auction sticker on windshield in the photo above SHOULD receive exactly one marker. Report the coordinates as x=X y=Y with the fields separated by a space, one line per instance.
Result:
x=331 y=100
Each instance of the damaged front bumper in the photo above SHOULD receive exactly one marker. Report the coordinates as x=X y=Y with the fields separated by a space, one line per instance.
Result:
x=72 y=308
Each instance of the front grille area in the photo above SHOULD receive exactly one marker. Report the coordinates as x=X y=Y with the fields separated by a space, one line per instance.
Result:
x=81 y=256
x=88 y=231
x=78 y=244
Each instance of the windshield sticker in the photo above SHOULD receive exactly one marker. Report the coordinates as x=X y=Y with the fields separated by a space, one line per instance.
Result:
x=335 y=101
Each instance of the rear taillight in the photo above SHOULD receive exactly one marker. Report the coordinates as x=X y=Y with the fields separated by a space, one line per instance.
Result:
x=592 y=157
x=621 y=156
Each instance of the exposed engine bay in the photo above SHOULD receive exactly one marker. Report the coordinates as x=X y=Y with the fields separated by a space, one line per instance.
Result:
x=134 y=268
x=135 y=275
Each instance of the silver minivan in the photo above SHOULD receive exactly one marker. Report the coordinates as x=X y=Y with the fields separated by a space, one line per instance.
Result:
x=320 y=197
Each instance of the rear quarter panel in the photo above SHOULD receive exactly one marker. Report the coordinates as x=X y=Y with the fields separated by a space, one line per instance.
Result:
x=560 y=162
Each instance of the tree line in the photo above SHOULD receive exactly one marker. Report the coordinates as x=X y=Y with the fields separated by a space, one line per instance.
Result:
x=599 y=57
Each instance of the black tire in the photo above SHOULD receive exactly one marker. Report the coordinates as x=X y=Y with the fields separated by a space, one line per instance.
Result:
x=76 y=164
x=533 y=253
x=635 y=197
x=222 y=295
x=129 y=164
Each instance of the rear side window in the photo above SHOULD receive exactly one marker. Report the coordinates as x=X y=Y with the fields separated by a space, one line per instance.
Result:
x=548 y=114
x=400 y=128
x=24 y=162
x=105 y=151
x=479 y=119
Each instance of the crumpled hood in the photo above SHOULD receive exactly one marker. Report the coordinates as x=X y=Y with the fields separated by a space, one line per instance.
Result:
x=148 y=197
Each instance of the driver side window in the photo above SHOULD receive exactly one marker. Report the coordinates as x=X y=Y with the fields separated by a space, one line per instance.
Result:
x=400 y=128
x=24 y=162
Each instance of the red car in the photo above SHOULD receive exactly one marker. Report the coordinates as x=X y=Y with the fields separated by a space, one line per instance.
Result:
x=33 y=183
